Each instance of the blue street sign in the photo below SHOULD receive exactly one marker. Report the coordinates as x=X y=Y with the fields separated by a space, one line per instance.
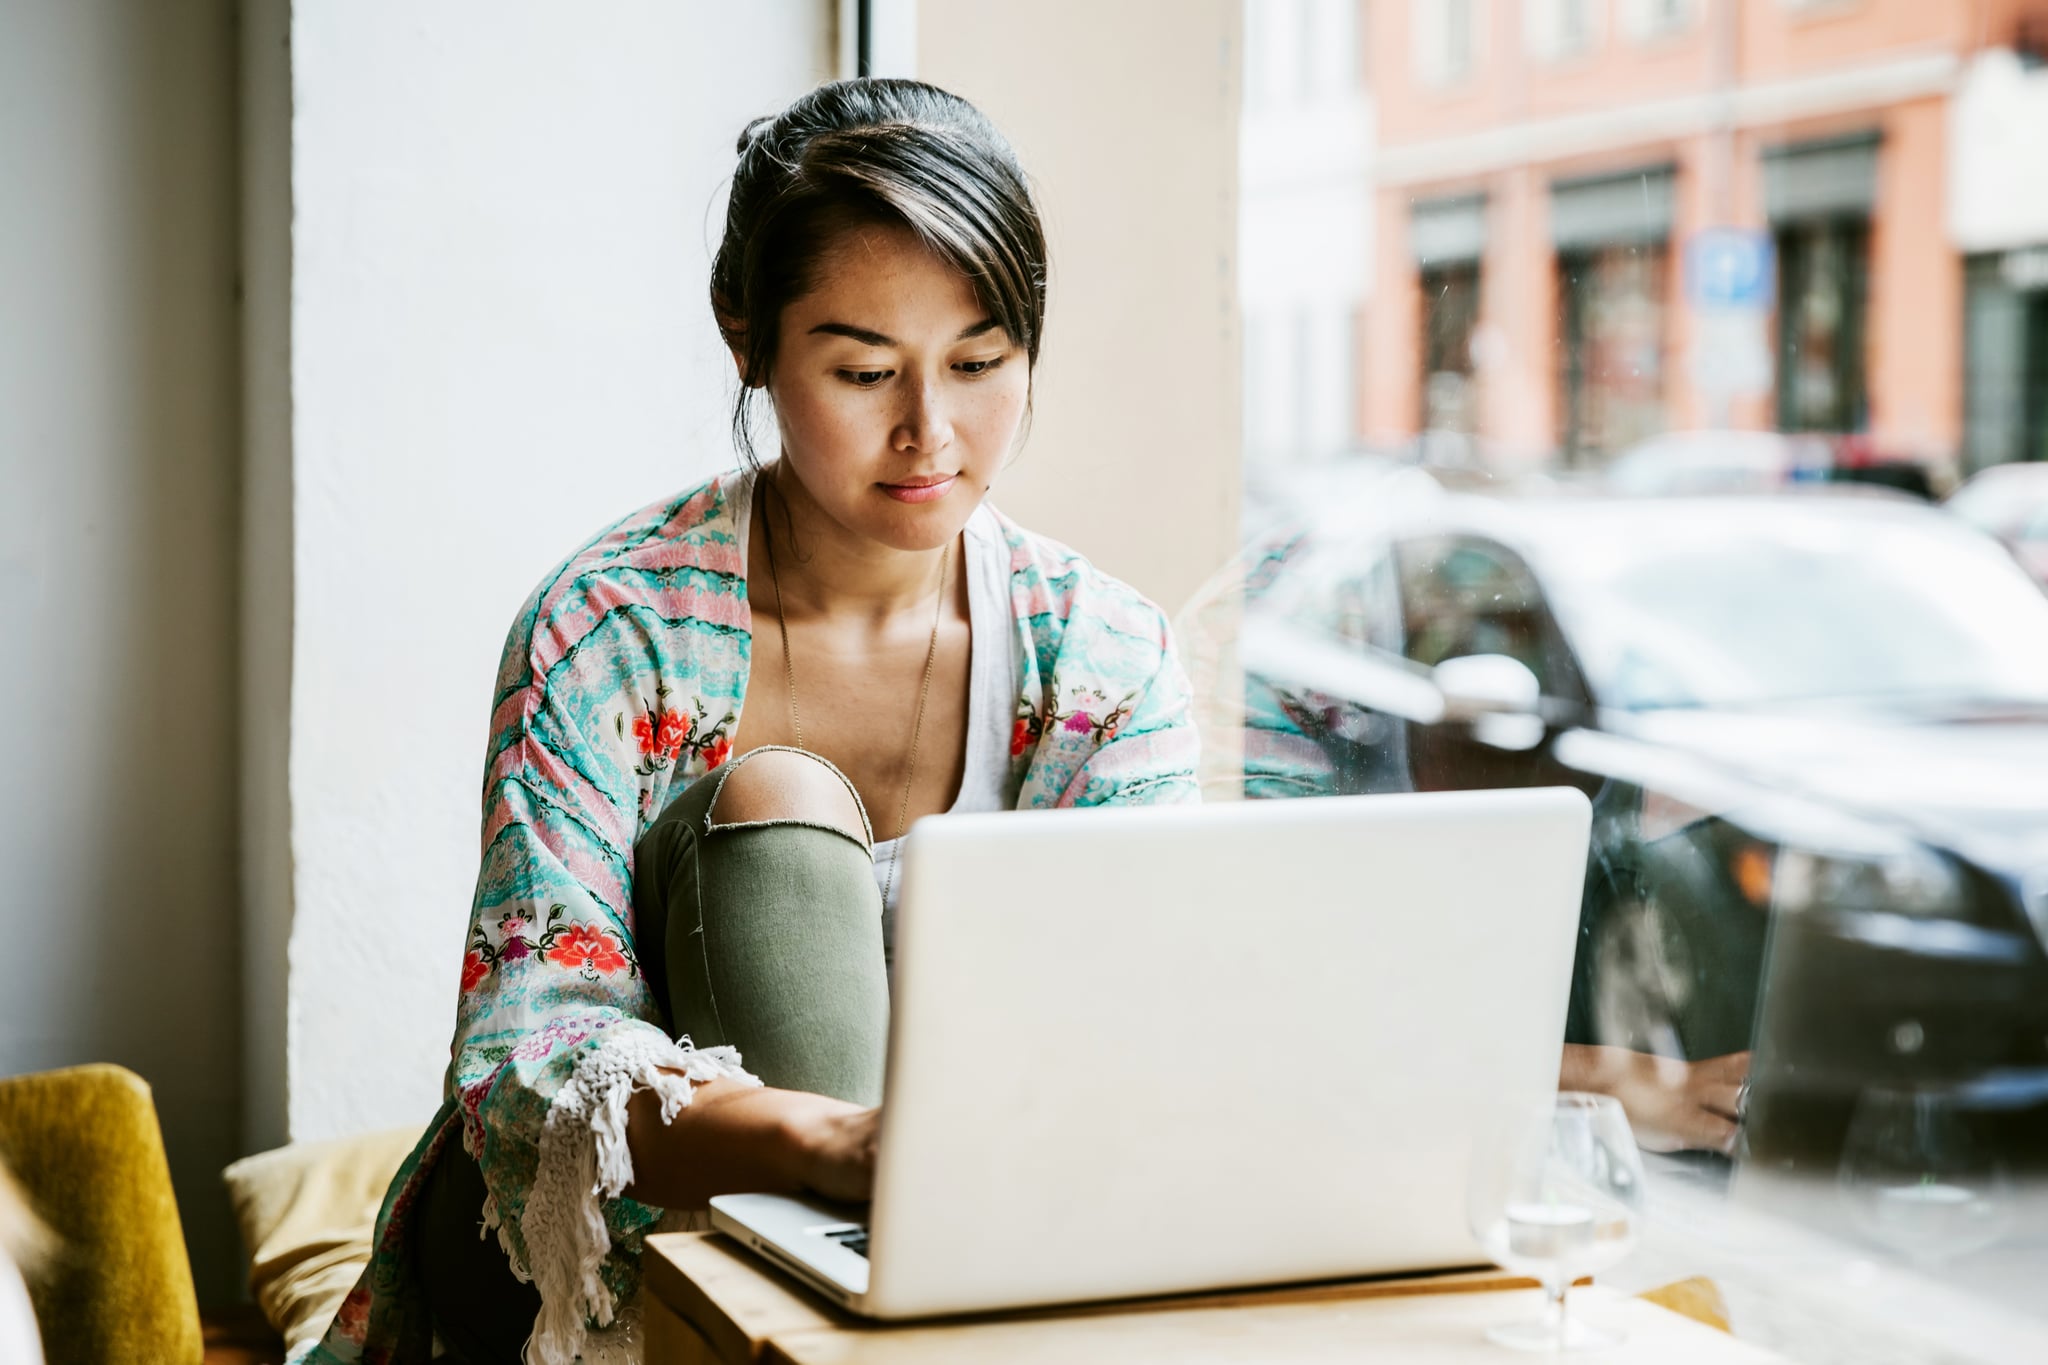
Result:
x=1728 y=268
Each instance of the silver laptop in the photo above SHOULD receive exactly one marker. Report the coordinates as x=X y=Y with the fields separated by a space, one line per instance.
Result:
x=1156 y=1050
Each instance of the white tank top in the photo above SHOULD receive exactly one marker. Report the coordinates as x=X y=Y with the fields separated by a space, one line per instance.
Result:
x=992 y=673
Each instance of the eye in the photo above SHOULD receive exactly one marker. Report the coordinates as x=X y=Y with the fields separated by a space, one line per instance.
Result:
x=970 y=368
x=865 y=379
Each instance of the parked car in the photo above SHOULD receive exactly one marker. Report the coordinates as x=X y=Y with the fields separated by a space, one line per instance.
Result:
x=1814 y=729
x=1720 y=461
x=2010 y=501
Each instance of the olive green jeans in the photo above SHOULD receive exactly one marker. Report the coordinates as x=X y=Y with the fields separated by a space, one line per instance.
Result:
x=765 y=935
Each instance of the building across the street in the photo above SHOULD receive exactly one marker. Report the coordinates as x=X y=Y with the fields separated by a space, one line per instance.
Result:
x=1598 y=220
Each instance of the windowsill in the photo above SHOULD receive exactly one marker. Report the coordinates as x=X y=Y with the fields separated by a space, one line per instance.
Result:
x=1798 y=1279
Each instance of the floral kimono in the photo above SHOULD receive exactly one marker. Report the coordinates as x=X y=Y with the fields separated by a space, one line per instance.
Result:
x=1265 y=735
x=622 y=682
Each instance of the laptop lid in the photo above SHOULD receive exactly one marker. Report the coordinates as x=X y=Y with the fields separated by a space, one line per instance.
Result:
x=1151 y=1050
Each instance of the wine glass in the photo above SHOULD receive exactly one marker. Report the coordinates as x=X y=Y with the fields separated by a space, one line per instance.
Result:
x=1917 y=1179
x=1555 y=1193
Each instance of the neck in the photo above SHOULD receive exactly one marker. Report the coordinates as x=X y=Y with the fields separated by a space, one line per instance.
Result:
x=825 y=570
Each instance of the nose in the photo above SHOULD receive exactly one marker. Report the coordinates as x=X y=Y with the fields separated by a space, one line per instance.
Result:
x=924 y=427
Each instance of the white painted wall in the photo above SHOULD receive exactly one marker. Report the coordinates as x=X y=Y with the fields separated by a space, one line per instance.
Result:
x=118 y=473
x=504 y=214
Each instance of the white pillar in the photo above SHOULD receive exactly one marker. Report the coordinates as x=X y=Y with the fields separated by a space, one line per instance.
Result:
x=500 y=222
x=1126 y=118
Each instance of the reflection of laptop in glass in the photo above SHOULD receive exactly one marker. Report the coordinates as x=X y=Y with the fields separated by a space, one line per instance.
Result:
x=1145 y=1051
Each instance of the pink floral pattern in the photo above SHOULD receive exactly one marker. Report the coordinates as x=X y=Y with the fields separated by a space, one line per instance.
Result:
x=587 y=949
x=354 y=1316
x=662 y=736
x=1089 y=712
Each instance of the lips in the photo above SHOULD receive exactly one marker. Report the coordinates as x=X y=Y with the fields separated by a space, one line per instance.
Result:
x=923 y=488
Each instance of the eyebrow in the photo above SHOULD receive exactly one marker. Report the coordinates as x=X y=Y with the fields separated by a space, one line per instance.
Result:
x=867 y=337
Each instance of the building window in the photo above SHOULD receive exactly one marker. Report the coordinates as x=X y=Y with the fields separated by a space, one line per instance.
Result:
x=1450 y=314
x=1651 y=20
x=1574 y=25
x=1819 y=197
x=1611 y=356
x=1822 y=268
x=1447 y=238
x=1612 y=235
x=2005 y=358
x=1558 y=30
x=1335 y=54
x=1458 y=38
x=1448 y=36
x=1299 y=53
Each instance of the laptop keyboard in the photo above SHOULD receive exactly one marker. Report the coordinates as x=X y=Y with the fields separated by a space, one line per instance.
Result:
x=853 y=1238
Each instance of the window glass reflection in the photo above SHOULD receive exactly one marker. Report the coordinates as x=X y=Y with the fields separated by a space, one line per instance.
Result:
x=1695 y=455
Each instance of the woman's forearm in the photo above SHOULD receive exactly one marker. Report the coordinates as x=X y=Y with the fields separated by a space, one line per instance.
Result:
x=1614 y=1070
x=1671 y=1103
x=731 y=1138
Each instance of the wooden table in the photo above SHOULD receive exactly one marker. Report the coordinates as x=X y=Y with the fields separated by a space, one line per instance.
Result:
x=710 y=1303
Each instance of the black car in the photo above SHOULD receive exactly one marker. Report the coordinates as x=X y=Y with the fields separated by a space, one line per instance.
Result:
x=1814 y=729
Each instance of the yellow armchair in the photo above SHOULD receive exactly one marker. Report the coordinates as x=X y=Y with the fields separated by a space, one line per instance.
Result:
x=85 y=1146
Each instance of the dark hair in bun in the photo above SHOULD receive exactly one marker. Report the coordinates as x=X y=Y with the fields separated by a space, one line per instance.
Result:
x=863 y=152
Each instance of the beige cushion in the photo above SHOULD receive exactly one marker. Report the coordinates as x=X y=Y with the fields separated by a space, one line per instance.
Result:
x=307 y=1212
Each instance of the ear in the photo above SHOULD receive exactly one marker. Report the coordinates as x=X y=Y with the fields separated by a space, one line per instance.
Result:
x=737 y=348
x=733 y=328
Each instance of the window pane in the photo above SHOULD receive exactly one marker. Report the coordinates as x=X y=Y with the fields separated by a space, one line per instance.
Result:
x=1679 y=329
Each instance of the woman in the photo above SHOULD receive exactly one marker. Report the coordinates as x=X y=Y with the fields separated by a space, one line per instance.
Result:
x=676 y=977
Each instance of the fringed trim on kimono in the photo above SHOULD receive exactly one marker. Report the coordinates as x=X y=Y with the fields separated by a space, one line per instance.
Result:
x=584 y=1161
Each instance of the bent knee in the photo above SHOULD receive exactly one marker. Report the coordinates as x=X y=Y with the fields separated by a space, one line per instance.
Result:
x=767 y=785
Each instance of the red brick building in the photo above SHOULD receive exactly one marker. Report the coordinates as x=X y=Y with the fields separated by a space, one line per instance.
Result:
x=1541 y=166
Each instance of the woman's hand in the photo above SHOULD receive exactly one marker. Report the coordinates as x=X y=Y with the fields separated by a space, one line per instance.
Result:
x=1675 y=1104
x=735 y=1138
x=836 y=1149
x=1671 y=1104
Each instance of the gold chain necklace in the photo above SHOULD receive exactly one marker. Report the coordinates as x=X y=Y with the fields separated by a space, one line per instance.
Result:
x=931 y=655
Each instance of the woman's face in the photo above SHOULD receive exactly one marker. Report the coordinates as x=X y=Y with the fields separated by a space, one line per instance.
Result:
x=897 y=395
